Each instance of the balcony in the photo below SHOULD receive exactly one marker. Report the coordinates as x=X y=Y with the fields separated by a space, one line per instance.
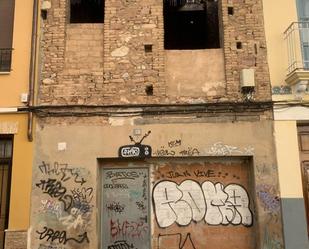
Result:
x=5 y=59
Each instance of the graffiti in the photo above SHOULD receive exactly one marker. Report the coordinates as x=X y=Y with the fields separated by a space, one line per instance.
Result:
x=116 y=207
x=51 y=206
x=191 y=201
x=116 y=186
x=177 y=240
x=125 y=212
x=138 y=150
x=164 y=152
x=63 y=171
x=51 y=235
x=269 y=242
x=82 y=199
x=125 y=228
x=174 y=143
x=190 y=152
x=221 y=149
x=75 y=219
x=121 y=244
x=270 y=201
x=42 y=246
x=140 y=205
x=121 y=175
x=54 y=189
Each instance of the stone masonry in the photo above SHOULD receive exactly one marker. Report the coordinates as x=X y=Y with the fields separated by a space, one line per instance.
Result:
x=114 y=64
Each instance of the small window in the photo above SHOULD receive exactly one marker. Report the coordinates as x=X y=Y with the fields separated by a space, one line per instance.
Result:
x=86 y=11
x=191 y=24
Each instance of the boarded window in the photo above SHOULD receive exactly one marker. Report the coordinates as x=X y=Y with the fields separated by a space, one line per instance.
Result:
x=191 y=24
x=87 y=11
x=6 y=35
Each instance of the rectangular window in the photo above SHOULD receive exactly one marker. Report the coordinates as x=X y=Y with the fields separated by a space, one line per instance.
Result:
x=86 y=11
x=6 y=152
x=303 y=17
x=191 y=24
x=6 y=36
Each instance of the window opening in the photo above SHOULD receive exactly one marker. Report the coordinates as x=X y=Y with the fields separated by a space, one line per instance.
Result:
x=191 y=24
x=6 y=152
x=86 y=11
x=6 y=37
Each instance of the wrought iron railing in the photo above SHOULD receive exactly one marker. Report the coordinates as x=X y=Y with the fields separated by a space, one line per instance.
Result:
x=5 y=59
x=297 y=37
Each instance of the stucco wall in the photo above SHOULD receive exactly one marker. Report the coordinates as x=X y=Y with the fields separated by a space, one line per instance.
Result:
x=77 y=169
x=203 y=68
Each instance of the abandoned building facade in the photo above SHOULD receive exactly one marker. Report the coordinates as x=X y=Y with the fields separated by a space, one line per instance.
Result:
x=154 y=127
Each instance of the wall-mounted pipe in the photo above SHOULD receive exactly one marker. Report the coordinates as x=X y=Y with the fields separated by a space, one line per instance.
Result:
x=32 y=68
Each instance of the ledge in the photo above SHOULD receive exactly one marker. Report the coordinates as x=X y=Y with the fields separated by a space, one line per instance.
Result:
x=5 y=73
x=297 y=76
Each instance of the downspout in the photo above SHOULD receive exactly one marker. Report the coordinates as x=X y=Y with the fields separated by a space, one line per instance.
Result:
x=32 y=69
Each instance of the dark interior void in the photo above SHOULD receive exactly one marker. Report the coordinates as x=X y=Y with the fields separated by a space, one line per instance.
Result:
x=191 y=25
x=87 y=11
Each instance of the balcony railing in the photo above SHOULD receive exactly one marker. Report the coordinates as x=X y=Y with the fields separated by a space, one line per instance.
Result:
x=297 y=37
x=5 y=59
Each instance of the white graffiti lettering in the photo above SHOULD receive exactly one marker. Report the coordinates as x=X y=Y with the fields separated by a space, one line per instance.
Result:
x=191 y=201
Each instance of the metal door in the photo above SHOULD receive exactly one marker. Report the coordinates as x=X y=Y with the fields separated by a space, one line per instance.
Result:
x=125 y=207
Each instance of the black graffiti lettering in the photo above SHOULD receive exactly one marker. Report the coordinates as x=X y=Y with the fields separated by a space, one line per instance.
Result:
x=120 y=244
x=175 y=174
x=182 y=243
x=117 y=175
x=190 y=152
x=63 y=171
x=116 y=207
x=165 y=152
x=116 y=186
x=51 y=235
x=208 y=173
x=174 y=143
x=54 y=189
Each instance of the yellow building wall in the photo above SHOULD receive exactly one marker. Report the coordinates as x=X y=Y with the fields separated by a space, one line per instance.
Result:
x=21 y=173
x=277 y=19
x=288 y=159
x=278 y=16
x=11 y=86
x=16 y=82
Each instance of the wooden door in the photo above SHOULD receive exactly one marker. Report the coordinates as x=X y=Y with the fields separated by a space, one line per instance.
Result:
x=303 y=140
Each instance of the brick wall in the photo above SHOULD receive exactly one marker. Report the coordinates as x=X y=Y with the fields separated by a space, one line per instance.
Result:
x=89 y=64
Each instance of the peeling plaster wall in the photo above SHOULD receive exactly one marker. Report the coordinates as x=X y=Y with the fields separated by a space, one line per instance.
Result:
x=67 y=178
x=195 y=72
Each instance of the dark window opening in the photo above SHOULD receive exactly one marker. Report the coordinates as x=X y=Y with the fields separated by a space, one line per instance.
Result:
x=149 y=90
x=86 y=11
x=191 y=24
x=6 y=36
x=230 y=11
x=148 y=48
x=6 y=153
x=238 y=45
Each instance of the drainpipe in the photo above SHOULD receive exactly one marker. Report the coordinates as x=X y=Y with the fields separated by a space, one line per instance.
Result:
x=32 y=69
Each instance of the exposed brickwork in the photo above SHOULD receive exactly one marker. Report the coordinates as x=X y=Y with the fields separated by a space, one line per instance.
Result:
x=84 y=64
x=245 y=26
